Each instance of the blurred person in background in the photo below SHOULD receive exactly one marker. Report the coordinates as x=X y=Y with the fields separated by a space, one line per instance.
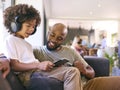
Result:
x=77 y=45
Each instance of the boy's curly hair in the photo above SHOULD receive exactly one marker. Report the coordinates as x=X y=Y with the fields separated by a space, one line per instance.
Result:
x=25 y=12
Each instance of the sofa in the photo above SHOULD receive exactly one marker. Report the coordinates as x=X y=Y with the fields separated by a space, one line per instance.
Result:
x=100 y=65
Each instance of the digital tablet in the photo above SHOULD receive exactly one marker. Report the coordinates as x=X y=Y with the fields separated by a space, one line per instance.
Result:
x=60 y=62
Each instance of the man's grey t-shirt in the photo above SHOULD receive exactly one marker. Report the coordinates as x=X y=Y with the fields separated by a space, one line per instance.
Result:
x=66 y=52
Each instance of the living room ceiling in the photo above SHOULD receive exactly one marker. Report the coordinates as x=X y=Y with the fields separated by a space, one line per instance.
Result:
x=82 y=9
x=83 y=12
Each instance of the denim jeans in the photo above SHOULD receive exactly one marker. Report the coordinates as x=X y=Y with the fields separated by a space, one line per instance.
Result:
x=41 y=82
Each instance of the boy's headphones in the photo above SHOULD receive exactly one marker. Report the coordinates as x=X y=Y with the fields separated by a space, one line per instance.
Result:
x=17 y=25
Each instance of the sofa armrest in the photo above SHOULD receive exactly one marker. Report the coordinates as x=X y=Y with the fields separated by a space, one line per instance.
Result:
x=14 y=81
x=4 y=85
x=100 y=65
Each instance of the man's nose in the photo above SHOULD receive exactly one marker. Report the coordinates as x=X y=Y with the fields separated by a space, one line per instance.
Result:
x=54 y=39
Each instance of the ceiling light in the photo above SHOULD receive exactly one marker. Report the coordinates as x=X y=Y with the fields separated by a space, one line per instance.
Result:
x=99 y=5
x=91 y=13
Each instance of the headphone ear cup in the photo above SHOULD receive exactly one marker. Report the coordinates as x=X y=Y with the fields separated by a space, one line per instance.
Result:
x=13 y=27
x=16 y=26
x=19 y=26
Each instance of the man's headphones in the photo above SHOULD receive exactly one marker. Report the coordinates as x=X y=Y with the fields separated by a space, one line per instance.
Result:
x=17 y=24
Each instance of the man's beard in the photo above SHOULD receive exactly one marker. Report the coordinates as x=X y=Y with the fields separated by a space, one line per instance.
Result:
x=52 y=49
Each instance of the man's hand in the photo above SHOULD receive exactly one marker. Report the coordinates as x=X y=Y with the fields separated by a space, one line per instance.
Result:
x=4 y=67
x=85 y=70
x=90 y=73
x=80 y=66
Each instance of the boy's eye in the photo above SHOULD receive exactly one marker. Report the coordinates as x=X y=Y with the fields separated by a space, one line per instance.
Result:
x=28 y=25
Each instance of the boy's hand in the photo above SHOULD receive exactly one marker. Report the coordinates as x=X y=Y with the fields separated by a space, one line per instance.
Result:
x=45 y=65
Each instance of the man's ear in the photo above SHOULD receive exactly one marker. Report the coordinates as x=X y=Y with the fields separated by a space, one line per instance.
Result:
x=49 y=28
x=47 y=34
x=48 y=31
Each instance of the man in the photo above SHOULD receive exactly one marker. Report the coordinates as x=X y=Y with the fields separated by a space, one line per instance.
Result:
x=104 y=42
x=54 y=51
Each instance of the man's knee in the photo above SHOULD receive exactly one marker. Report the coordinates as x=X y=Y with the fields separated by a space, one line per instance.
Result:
x=73 y=70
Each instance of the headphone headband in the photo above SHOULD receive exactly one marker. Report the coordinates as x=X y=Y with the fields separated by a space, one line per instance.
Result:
x=16 y=25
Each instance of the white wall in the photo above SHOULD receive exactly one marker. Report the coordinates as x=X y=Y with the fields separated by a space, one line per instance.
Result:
x=37 y=38
x=1 y=26
x=3 y=31
x=119 y=30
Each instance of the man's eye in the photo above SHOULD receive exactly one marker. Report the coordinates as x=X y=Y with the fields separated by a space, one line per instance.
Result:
x=52 y=35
